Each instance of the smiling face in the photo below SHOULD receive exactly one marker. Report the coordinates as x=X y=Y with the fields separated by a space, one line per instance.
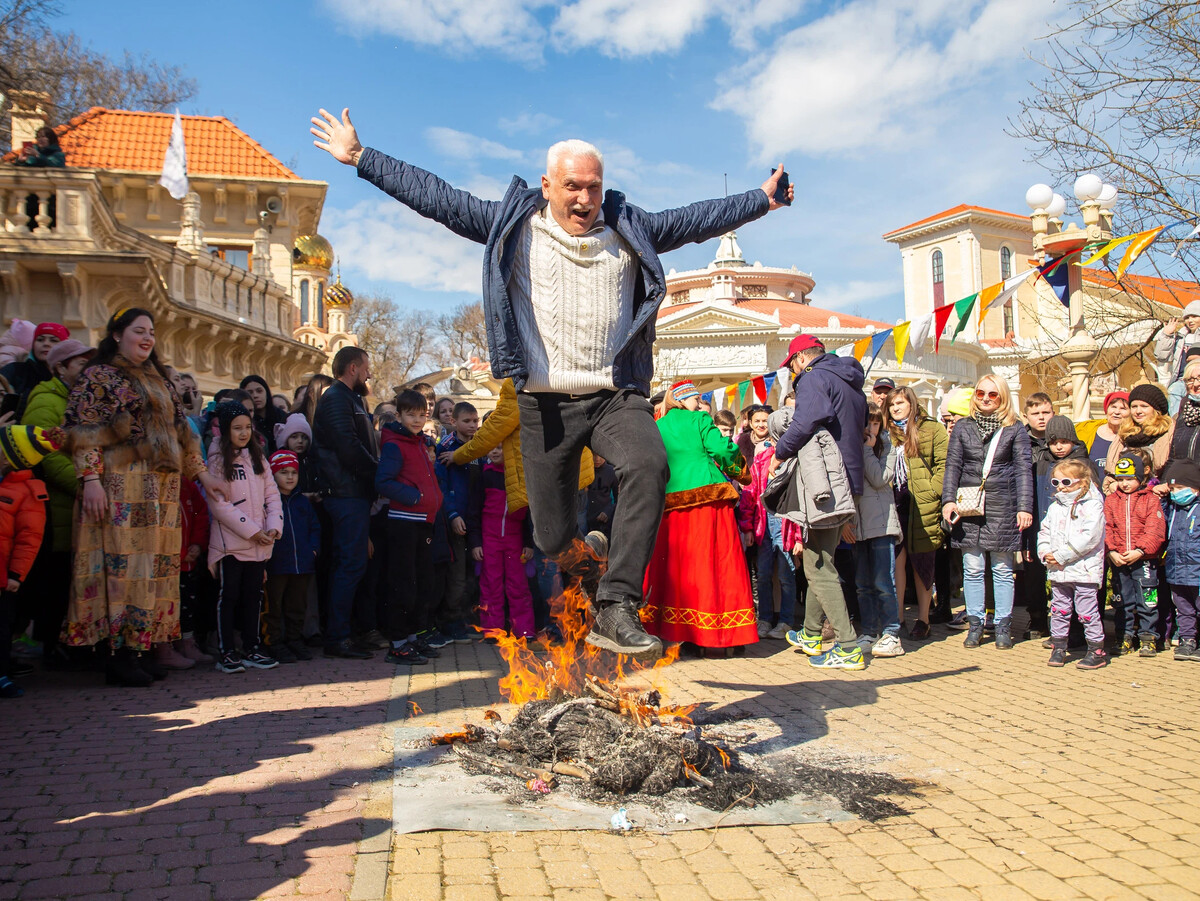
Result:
x=413 y=420
x=136 y=341
x=241 y=431
x=987 y=396
x=1117 y=412
x=758 y=424
x=1140 y=411
x=574 y=188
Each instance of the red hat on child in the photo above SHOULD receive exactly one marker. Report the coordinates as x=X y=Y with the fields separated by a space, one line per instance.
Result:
x=61 y=332
x=281 y=460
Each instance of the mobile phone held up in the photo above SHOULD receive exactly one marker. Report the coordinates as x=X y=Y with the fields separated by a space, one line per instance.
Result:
x=781 y=189
x=11 y=401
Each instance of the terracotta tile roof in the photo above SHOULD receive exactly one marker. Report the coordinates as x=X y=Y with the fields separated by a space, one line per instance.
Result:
x=1167 y=291
x=955 y=211
x=137 y=142
x=798 y=314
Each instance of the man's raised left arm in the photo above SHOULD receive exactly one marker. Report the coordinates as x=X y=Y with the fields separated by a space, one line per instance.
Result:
x=698 y=222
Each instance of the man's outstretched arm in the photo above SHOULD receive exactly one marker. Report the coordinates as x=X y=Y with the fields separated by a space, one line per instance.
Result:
x=432 y=197
x=710 y=218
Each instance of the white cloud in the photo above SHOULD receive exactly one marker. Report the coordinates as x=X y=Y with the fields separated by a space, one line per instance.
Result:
x=875 y=73
x=630 y=27
x=388 y=242
x=528 y=123
x=463 y=146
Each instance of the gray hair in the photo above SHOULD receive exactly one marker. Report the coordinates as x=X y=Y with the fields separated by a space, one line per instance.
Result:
x=571 y=148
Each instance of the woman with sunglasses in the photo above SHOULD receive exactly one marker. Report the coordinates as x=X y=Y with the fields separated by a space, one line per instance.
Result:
x=992 y=431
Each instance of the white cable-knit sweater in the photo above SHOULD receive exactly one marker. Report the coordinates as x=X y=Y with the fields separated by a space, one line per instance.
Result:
x=573 y=297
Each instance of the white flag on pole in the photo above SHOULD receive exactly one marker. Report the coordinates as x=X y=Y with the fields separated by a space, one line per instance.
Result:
x=174 y=175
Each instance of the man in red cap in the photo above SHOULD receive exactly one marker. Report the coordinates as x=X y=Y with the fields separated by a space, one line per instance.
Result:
x=25 y=375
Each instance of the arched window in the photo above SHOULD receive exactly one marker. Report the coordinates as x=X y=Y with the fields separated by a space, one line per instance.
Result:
x=319 y=322
x=304 y=302
x=939 y=279
x=1005 y=262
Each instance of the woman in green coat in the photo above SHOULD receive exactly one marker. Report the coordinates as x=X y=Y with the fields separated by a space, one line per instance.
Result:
x=697 y=587
x=49 y=581
x=919 y=471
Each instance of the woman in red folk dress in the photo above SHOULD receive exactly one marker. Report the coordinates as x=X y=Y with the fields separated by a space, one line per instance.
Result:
x=697 y=586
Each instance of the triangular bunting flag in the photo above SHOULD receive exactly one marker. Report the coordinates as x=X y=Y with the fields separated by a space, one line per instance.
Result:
x=941 y=316
x=987 y=296
x=861 y=347
x=877 y=341
x=784 y=378
x=1106 y=249
x=731 y=398
x=900 y=340
x=1192 y=234
x=963 y=309
x=743 y=395
x=1140 y=242
x=760 y=388
x=919 y=334
x=707 y=397
x=1008 y=288
x=769 y=381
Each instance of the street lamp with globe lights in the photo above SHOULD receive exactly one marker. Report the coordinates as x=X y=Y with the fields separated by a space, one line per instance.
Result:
x=1052 y=241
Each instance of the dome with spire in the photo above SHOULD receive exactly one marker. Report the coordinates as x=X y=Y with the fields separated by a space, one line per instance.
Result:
x=313 y=251
x=338 y=295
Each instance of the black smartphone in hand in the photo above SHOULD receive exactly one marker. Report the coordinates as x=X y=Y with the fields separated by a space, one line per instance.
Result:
x=11 y=401
x=781 y=189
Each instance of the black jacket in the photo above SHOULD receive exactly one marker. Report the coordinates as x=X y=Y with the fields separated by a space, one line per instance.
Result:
x=344 y=443
x=1009 y=488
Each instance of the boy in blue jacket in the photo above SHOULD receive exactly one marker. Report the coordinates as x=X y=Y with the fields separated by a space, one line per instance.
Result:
x=291 y=567
x=456 y=484
x=406 y=476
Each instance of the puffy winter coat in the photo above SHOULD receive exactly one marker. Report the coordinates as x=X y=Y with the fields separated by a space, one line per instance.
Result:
x=1134 y=522
x=491 y=521
x=24 y=376
x=1185 y=439
x=877 y=516
x=22 y=522
x=926 y=472
x=406 y=475
x=1074 y=534
x=1183 y=543
x=456 y=481
x=829 y=395
x=193 y=523
x=812 y=489
x=1009 y=488
x=45 y=408
x=1154 y=434
x=751 y=514
x=503 y=428
x=251 y=506
x=344 y=444
x=1043 y=468
x=295 y=553
x=497 y=225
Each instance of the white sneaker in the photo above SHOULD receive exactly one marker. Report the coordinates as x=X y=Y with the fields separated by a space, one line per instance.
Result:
x=888 y=646
x=764 y=628
x=865 y=642
x=779 y=633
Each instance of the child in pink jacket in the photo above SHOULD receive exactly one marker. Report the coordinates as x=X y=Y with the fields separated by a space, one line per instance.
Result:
x=502 y=541
x=245 y=526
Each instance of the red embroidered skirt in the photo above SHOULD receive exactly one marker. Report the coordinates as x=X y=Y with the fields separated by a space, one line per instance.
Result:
x=697 y=586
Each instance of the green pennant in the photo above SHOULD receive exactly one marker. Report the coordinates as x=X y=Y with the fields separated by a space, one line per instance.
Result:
x=962 y=309
x=744 y=388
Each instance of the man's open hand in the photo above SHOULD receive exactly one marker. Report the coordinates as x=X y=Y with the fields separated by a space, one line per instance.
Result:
x=339 y=138
x=769 y=185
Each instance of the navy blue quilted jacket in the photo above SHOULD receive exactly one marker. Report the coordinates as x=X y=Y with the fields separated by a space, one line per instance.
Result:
x=496 y=224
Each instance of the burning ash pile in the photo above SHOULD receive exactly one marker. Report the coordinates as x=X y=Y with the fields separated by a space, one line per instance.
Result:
x=578 y=727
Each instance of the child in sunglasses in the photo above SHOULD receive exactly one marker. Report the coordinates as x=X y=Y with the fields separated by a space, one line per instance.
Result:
x=1134 y=533
x=1071 y=545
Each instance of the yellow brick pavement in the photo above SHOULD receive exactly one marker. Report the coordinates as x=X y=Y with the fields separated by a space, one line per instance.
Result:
x=1040 y=783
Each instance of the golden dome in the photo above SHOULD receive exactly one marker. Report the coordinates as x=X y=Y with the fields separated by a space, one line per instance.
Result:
x=313 y=251
x=338 y=295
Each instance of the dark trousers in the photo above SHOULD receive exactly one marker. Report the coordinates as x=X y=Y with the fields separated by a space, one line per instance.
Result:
x=1031 y=588
x=619 y=426
x=410 y=578
x=460 y=584
x=287 y=603
x=1136 y=599
x=1184 y=598
x=239 y=603
x=46 y=591
x=946 y=564
x=189 y=597
x=350 y=522
x=8 y=612
x=370 y=604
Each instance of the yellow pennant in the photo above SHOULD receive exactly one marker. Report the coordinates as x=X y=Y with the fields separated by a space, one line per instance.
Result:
x=731 y=397
x=1107 y=249
x=1140 y=242
x=861 y=347
x=987 y=296
x=900 y=339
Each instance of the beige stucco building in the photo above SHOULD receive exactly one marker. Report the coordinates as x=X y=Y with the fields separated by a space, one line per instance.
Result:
x=236 y=274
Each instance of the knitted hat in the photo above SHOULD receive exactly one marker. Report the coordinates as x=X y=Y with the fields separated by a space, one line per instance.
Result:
x=52 y=328
x=959 y=402
x=1060 y=428
x=1184 y=473
x=227 y=411
x=295 y=424
x=67 y=350
x=1149 y=394
x=1130 y=466
x=25 y=446
x=1115 y=395
x=800 y=343
x=684 y=389
x=283 y=459
x=1192 y=309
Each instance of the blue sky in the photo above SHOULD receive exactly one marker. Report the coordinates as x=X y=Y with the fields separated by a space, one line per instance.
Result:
x=884 y=111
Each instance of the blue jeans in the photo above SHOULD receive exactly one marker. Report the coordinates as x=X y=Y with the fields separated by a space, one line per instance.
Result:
x=1002 y=581
x=771 y=552
x=350 y=518
x=875 y=577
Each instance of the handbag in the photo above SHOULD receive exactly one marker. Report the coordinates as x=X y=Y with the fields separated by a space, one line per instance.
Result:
x=970 y=500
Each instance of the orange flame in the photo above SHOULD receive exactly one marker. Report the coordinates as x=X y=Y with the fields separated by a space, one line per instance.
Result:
x=724 y=759
x=414 y=709
x=567 y=666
